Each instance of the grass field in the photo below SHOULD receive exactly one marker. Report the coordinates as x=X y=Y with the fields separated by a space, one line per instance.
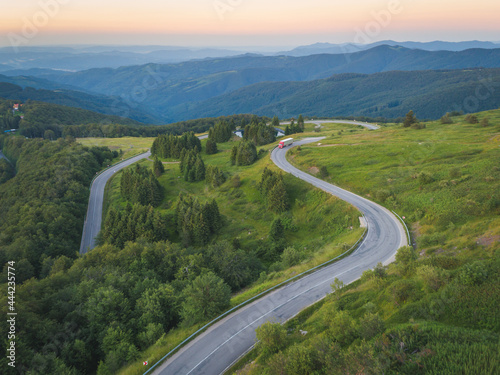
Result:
x=130 y=146
x=444 y=179
x=436 y=314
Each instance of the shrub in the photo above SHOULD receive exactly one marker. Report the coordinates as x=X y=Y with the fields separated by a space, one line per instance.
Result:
x=370 y=325
x=323 y=172
x=342 y=328
x=446 y=119
x=432 y=277
x=291 y=256
x=236 y=181
x=473 y=274
x=471 y=119
x=404 y=290
x=425 y=178
x=271 y=337
x=455 y=172
x=405 y=258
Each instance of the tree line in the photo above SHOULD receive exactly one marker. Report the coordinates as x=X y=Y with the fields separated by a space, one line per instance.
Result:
x=196 y=222
x=259 y=133
x=135 y=222
x=221 y=132
x=192 y=166
x=171 y=146
x=139 y=185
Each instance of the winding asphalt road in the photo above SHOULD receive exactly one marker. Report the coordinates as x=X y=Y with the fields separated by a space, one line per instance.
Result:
x=364 y=124
x=93 y=220
x=213 y=351
x=319 y=122
x=2 y=156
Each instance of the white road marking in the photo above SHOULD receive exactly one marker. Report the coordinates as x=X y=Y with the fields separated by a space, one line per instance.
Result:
x=269 y=312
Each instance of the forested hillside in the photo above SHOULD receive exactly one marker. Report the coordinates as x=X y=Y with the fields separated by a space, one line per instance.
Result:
x=389 y=95
x=44 y=204
x=18 y=88
x=34 y=119
x=172 y=92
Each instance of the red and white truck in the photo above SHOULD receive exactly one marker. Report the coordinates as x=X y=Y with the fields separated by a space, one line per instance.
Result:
x=286 y=142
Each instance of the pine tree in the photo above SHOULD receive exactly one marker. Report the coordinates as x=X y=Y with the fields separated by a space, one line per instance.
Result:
x=300 y=123
x=234 y=155
x=158 y=167
x=277 y=232
x=199 y=169
x=277 y=198
x=410 y=119
x=211 y=147
x=275 y=122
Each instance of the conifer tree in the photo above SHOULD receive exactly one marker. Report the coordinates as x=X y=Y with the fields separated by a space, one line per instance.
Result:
x=211 y=147
x=158 y=167
x=300 y=123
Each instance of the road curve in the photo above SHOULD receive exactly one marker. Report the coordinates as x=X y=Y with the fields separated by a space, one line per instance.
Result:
x=2 y=156
x=93 y=220
x=364 y=124
x=213 y=351
x=350 y=122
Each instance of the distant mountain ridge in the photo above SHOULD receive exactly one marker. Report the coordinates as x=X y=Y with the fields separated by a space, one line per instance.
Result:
x=167 y=93
x=330 y=48
x=388 y=94
x=29 y=88
x=88 y=57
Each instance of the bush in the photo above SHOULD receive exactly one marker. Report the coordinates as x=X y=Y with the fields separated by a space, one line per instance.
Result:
x=244 y=154
x=432 y=277
x=271 y=338
x=473 y=274
x=425 y=178
x=404 y=290
x=323 y=172
x=291 y=256
x=471 y=119
x=405 y=258
x=205 y=297
x=342 y=328
x=446 y=119
x=370 y=325
x=236 y=181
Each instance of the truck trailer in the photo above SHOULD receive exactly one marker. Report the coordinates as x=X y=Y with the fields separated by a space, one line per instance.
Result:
x=286 y=142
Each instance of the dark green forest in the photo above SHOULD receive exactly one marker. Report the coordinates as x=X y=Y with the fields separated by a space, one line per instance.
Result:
x=63 y=121
x=139 y=185
x=43 y=206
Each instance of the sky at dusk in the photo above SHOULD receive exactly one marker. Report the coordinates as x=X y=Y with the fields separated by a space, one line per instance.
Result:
x=228 y=23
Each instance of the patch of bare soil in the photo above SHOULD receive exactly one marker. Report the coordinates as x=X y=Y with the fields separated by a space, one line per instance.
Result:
x=313 y=170
x=488 y=240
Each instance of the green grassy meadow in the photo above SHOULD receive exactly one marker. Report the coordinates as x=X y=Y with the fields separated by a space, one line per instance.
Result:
x=435 y=313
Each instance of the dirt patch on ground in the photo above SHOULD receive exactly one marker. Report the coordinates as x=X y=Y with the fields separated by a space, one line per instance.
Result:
x=313 y=170
x=415 y=229
x=488 y=240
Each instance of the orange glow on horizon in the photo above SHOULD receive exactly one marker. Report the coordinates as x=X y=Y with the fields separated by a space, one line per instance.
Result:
x=256 y=17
